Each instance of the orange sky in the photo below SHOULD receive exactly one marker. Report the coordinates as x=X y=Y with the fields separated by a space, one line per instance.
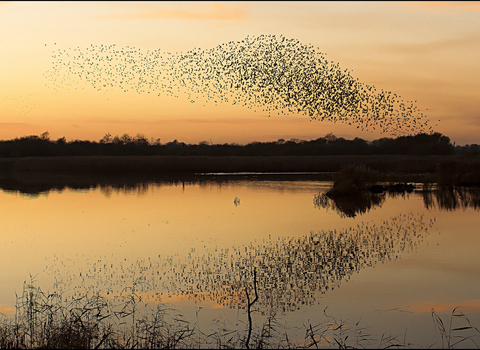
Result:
x=423 y=51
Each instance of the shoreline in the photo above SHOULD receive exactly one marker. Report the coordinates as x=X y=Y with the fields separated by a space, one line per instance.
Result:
x=226 y=164
x=86 y=170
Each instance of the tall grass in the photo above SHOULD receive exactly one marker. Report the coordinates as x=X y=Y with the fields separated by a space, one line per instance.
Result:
x=53 y=321
x=459 y=171
x=459 y=331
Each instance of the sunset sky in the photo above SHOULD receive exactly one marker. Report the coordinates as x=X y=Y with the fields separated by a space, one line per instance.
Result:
x=426 y=52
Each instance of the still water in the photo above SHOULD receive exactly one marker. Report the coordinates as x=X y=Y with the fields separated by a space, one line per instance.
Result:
x=382 y=260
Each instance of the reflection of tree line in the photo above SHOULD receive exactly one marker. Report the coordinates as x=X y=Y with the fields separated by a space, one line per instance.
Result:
x=447 y=198
x=346 y=206
x=451 y=198
x=39 y=184
x=291 y=272
x=36 y=186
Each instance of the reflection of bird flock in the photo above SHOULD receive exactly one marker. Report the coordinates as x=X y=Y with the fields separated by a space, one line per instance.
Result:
x=291 y=272
x=278 y=75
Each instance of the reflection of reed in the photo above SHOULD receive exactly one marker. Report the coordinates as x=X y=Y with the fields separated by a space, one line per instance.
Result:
x=139 y=188
x=349 y=206
x=291 y=272
x=451 y=198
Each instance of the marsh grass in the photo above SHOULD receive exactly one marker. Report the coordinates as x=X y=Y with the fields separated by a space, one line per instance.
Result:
x=399 y=164
x=459 y=171
x=53 y=321
x=450 y=170
x=47 y=321
x=459 y=331
x=346 y=334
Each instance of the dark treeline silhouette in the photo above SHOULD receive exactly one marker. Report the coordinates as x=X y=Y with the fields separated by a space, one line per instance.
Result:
x=472 y=149
x=42 y=145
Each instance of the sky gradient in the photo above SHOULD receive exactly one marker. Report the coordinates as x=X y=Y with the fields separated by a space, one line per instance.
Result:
x=423 y=51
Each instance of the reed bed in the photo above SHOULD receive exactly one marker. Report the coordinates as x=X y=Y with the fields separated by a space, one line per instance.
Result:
x=444 y=169
x=211 y=164
x=53 y=321
x=459 y=171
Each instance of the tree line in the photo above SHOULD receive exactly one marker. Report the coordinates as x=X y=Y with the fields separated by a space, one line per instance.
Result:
x=108 y=145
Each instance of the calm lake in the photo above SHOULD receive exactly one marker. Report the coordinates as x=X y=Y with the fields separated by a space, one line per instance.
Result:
x=383 y=260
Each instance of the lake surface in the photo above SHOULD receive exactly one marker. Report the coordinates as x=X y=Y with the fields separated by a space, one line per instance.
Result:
x=382 y=260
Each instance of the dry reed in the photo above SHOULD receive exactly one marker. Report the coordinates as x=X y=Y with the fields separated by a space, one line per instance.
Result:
x=51 y=321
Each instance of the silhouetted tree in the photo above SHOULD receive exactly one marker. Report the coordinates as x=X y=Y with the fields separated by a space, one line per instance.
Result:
x=45 y=136
x=61 y=141
x=107 y=138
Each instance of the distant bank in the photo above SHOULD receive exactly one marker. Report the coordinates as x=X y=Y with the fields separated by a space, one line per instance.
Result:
x=453 y=165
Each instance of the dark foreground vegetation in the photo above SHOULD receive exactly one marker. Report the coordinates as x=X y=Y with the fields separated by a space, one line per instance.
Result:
x=51 y=321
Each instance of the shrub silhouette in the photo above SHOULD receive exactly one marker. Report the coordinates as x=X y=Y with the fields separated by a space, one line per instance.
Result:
x=353 y=179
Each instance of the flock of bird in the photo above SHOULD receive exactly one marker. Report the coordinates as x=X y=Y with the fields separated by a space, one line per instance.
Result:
x=290 y=272
x=23 y=104
x=276 y=75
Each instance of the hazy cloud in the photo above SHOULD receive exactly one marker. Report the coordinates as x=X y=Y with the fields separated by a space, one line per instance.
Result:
x=210 y=12
x=12 y=124
x=234 y=120
x=470 y=6
x=430 y=47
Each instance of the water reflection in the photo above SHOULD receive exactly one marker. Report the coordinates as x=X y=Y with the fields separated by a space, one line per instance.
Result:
x=434 y=197
x=37 y=184
x=349 y=206
x=34 y=184
x=451 y=198
x=291 y=272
